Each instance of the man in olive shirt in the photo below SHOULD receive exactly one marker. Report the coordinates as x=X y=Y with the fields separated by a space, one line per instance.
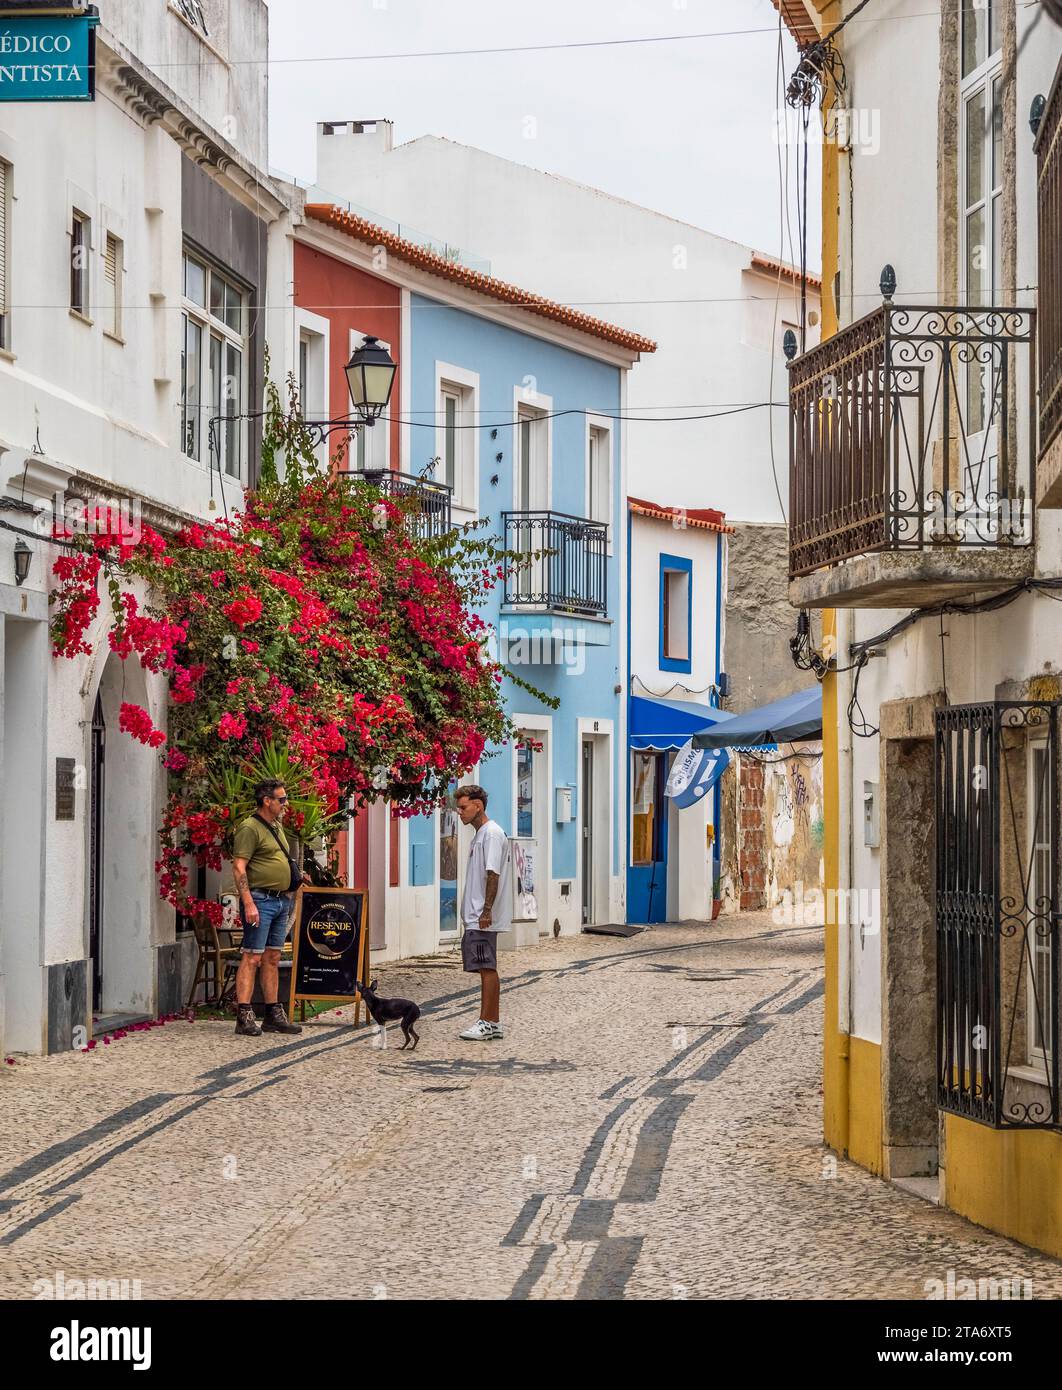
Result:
x=263 y=876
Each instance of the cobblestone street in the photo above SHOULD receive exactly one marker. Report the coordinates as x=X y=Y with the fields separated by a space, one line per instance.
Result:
x=596 y=1152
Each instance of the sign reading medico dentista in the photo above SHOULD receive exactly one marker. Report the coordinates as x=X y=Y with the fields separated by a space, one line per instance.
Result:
x=47 y=57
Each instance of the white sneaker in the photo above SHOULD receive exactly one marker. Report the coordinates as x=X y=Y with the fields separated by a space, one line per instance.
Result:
x=498 y=1030
x=481 y=1031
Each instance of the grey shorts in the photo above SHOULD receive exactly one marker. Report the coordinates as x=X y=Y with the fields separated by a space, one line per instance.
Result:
x=479 y=950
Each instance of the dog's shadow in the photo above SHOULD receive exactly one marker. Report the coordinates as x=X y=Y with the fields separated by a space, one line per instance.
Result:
x=467 y=1066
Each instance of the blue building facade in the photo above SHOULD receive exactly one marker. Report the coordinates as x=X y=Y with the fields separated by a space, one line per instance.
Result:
x=527 y=432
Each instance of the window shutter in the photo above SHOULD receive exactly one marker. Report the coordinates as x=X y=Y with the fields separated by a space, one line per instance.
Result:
x=110 y=283
x=3 y=237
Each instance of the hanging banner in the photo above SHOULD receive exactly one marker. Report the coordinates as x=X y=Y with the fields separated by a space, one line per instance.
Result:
x=48 y=57
x=694 y=773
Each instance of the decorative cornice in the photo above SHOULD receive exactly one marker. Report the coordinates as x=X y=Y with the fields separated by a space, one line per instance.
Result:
x=150 y=102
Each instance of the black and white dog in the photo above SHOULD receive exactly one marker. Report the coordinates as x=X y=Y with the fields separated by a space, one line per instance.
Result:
x=384 y=1011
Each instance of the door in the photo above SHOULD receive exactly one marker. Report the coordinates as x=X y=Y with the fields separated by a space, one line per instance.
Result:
x=96 y=796
x=586 y=826
x=531 y=502
x=647 y=875
x=530 y=827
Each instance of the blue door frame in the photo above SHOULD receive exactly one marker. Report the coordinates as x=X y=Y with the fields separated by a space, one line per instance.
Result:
x=647 y=883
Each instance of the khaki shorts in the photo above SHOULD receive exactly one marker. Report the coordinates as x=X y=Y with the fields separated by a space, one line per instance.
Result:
x=479 y=950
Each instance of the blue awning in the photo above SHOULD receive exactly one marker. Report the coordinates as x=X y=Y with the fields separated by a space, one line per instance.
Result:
x=668 y=724
x=788 y=720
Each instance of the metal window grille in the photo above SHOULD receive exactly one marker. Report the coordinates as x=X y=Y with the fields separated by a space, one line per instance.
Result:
x=997 y=913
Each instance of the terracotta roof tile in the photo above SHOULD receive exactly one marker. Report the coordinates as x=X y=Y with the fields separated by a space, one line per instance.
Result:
x=798 y=17
x=789 y=272
x=704 y=518
x=434 y=264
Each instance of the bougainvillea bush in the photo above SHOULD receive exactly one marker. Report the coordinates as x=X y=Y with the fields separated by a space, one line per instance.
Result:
x=311 y=633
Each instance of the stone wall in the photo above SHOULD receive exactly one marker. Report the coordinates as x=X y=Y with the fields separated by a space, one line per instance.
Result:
x=759 y=619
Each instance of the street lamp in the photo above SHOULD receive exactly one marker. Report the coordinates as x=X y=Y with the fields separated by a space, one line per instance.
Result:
x=23 y=556
x=370 y=379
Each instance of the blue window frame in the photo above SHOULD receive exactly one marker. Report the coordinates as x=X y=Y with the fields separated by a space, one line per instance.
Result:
x=676 y=613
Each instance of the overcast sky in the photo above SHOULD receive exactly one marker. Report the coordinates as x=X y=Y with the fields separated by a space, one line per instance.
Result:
x=685 y=127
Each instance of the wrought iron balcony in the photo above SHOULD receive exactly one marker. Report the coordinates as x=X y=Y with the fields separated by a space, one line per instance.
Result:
x=912 y=453
x=428 y=503
x=566 y=566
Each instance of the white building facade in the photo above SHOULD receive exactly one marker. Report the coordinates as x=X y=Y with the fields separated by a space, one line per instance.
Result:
x=135 y=232
x=933 y=542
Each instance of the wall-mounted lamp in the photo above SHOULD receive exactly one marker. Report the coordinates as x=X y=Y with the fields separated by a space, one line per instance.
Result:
x=1036 y=112
x=887 y=283
x=23 y=556
x=789 y=344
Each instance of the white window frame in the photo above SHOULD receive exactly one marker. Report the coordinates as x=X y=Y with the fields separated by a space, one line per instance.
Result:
x=370 y=447
x=464 y=385
x=526 y=402
x=211 y=329
x=315 y=403
x=1036 y=1054
x=981 y=79
x=541 y=727
x=83 y=310
x=601 y=425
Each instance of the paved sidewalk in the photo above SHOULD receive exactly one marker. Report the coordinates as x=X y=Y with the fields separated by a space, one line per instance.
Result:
x=649 y=1129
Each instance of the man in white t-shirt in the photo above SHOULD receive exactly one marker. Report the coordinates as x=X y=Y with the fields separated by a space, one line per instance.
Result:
x=486 y=907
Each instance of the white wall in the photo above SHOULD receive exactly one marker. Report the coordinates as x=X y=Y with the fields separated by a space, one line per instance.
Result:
x=649 y=539
x=893 y=69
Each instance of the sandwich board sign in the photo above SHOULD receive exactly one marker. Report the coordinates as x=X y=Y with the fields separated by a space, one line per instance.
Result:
x=330 y=947
x=47 y=52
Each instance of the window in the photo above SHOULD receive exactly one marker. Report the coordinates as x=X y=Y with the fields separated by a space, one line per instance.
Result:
x=525 y=789
x=113 y=265
x=312 y=367
x=647 y=807
x=676 y=579
x=451 y=401
x=599 y=475
x=455 y=442
x=5 y=222
x=304 y=371
x=981 y=179
x=370 y=448
x=213 y=366
x=80 y=245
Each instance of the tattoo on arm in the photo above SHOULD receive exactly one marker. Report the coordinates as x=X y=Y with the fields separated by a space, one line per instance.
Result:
x=239 y=876
x=491 y=891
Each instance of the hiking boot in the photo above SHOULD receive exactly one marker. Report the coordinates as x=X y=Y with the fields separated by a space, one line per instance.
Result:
x=276 y=1021
x=246 y=1023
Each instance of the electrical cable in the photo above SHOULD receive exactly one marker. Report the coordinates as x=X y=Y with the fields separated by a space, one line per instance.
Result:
x=573 y=44
x=663 y=694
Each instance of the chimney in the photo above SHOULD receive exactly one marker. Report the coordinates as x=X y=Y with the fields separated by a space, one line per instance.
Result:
x=347 y=148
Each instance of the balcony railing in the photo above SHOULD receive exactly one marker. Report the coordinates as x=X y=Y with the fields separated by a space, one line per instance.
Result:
x=428 y=514
x=1049 y=203
x=913 y=429
x=566 y=565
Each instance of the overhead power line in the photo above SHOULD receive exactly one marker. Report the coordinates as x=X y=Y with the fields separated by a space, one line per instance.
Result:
x=498 y=49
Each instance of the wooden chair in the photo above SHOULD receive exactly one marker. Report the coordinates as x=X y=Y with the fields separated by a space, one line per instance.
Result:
x=216 y=962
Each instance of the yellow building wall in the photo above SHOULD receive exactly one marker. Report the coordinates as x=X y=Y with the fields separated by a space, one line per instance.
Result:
x=1008 y=1180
